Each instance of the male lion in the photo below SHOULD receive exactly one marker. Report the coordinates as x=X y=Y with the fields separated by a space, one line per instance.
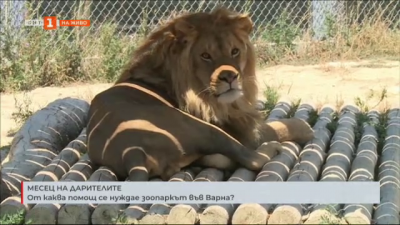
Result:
x=188 y=93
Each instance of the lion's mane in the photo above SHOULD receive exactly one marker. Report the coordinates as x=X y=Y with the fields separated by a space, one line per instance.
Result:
x=159 y=63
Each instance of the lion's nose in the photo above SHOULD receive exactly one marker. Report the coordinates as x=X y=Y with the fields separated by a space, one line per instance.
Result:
x=228 y=76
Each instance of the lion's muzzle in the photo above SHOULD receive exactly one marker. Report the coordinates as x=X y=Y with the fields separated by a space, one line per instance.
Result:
x=224 y=73
x=225 y=84
x=228 y=76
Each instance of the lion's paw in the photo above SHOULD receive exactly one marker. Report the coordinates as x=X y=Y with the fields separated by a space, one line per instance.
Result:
x=268 y=150
x=306 y=133
x=300 y=131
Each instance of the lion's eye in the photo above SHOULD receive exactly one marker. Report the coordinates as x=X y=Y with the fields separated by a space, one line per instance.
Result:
x=206 y=56
x=235 y=52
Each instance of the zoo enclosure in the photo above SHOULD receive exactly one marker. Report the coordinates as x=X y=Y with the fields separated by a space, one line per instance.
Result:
x=136 y=16
x=34 y=57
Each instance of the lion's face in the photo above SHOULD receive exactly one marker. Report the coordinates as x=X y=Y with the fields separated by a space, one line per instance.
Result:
x=217 y=45
x=219 y=62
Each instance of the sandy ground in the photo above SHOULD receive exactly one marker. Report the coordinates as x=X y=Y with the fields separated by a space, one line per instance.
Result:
x=332 y=83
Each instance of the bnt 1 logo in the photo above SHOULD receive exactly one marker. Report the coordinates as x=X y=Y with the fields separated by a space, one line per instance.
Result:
x=50 y=22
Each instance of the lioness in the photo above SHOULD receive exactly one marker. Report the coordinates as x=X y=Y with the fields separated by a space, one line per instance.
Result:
x=187 y=96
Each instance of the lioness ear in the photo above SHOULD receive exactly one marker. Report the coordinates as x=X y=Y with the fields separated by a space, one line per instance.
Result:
x=183 y=30
x=243 y=22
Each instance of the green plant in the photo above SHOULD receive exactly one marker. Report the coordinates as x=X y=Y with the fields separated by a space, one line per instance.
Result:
x=332 y=126
x=276 y=39
x=363 y=104
x=47 y=58
x=271 y=95
x=120 y=219
x=32 y=57
x=17 y=218
x=24 y=110
x=380 y=128
x=281 y=32
x=331 y=216
x=363 y=117
x=294 y=105
x=313 y=117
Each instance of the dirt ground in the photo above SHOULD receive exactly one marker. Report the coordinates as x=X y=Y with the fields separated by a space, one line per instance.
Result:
x=333 y=83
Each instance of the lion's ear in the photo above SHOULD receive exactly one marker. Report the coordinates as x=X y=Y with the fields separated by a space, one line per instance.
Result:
x=243 y=22
x=183 y=30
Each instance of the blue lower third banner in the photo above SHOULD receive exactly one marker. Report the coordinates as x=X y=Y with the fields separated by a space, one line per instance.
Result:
x=201 y=192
